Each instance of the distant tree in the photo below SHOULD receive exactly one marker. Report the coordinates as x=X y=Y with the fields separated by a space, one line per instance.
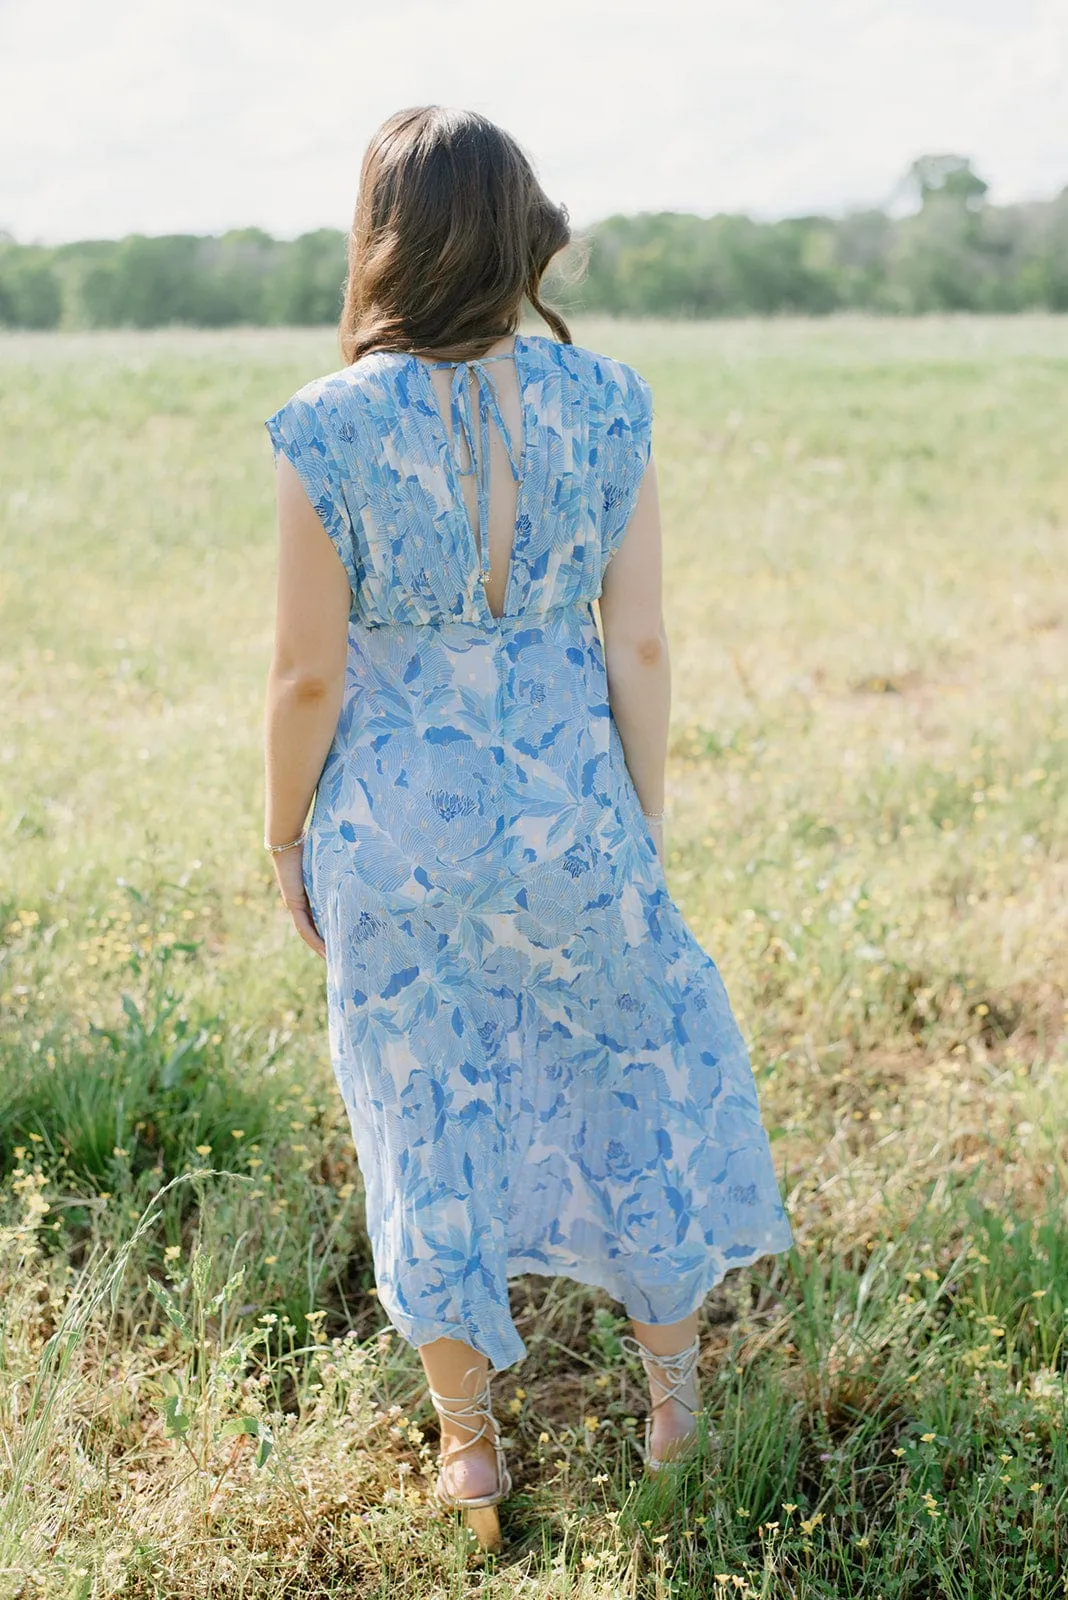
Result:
x=934 y=265
x=306 y=289
x=147 y=283
x=946 y=177
x=673 y=264
x=862 y=243
x=1052 y=240
x=231 y=275
x=943 y=258
x=101 y=294
x=30 y=294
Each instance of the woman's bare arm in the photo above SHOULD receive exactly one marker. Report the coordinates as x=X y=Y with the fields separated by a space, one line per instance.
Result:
x=305 y=682
x=636 y=648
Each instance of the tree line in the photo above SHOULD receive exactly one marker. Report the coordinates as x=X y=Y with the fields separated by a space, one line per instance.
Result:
x=951 y=251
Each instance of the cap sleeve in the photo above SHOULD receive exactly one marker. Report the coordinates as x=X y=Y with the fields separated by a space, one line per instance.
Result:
x=300 y=431
x=629 y=424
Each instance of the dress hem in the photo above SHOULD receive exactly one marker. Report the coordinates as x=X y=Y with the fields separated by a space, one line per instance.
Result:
x=501 y=1360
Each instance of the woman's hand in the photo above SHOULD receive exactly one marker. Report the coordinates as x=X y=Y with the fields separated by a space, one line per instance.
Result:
x=288 y=871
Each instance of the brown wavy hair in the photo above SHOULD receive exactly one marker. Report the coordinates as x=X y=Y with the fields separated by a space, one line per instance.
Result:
x=452 y=232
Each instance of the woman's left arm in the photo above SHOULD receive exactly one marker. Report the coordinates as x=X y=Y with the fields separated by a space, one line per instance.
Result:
x=305 y=683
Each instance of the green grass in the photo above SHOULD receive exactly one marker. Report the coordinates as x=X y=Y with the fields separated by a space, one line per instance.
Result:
x=867 y=590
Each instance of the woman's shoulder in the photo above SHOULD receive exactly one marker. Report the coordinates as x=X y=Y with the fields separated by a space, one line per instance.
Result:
x=621 y=385
x=331 y=414
x=372 y=378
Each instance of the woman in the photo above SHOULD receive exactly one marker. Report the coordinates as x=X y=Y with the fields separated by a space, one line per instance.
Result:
x=539 y=1062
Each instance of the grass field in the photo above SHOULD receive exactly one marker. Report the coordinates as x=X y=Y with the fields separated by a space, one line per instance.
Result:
x=867 y=576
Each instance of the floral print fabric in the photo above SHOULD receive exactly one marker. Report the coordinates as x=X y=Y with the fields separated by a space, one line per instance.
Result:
x=539 y=1062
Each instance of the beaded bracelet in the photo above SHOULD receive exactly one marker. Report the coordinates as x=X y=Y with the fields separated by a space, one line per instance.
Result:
x=276 y=849
x=653 y=816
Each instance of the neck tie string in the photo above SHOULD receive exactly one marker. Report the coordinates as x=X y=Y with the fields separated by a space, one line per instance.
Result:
x=463 y=424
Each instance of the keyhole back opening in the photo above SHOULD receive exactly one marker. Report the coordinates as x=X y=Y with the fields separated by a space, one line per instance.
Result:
x=480 y=404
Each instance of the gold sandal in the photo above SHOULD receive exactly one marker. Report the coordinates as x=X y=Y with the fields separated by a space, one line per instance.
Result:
x=480 y=1512
x=670 y=1374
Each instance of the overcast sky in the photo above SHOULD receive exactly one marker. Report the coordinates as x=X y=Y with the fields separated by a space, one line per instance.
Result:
x=119 y=116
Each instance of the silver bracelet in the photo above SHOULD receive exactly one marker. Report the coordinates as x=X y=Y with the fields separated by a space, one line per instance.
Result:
x=276 y=849
x=653 y=816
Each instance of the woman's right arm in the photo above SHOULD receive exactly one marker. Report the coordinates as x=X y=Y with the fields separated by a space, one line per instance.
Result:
x=636 y=650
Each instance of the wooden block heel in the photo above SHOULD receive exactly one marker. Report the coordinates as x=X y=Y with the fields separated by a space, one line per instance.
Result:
x=485 y=1524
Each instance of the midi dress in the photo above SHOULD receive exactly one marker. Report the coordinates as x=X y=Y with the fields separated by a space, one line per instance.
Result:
x=540 y=1064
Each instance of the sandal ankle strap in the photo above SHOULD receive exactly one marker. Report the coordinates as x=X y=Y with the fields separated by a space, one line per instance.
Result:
x=463 y=1411
x=677 y=1369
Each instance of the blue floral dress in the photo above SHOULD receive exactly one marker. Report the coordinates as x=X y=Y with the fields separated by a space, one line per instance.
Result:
x=539 y=1062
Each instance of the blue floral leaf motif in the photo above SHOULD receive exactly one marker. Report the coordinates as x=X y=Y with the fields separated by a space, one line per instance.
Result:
x=469 y=1172
x=412 y=670
x=445 y=735
x=400 y=980
x=473 y=1110
x=539 y=566
x=444 y=1252
x=520 y=640
x=457 y=1022
x=553 y=1109
x=625 y=1098
x=663 y=1140
x=610 y=1043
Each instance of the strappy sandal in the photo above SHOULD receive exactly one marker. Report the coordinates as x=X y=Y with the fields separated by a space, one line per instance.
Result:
x=480 y=1512
x=670 y=1374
